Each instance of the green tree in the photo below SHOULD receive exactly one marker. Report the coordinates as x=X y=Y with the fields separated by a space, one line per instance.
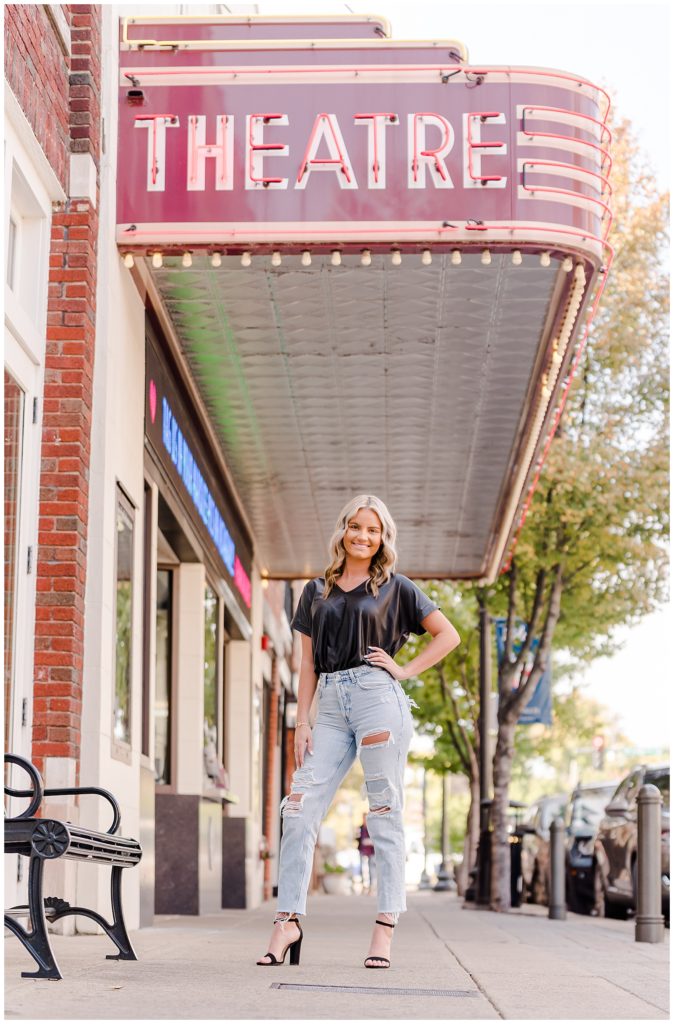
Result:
x=448 y=699
x=592 y=554
x=565 y=747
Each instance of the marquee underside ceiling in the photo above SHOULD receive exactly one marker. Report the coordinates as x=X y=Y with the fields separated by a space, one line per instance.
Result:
x=408 y=382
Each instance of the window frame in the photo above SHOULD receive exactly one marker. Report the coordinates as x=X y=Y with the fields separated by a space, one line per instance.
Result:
x=169 y=786
x=207 y=780
x=121 y=749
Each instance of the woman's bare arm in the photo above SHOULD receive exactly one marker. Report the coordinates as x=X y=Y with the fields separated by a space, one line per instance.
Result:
x=445 y=639
x=305 y=695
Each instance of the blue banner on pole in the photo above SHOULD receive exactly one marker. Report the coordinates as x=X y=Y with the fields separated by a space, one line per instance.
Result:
x=539 y=706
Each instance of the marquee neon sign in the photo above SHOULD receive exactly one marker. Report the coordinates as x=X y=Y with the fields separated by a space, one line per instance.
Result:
x=209 y=152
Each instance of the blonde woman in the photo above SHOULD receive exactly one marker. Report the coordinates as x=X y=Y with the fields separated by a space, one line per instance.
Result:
x=353 y=622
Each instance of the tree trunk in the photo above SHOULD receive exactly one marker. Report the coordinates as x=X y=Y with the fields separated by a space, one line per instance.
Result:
x=472 y=836
x=500 y=845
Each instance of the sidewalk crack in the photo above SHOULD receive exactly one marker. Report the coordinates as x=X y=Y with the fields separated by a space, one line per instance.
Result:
x=463 y=967
x=629 y=991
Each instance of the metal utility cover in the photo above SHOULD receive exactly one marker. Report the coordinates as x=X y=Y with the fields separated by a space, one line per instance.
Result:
x=322 y=382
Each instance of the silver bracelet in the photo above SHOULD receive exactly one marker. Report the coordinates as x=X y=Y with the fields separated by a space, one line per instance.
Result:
x=298 y=724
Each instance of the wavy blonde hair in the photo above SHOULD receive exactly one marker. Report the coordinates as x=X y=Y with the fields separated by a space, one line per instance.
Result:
x=382 y=563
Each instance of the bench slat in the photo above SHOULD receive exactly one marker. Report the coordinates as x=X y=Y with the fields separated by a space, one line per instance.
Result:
x=84 y=844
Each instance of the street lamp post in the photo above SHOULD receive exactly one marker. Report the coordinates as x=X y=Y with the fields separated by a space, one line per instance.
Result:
x=424 y=881
x=443 y=882
x=483 y=887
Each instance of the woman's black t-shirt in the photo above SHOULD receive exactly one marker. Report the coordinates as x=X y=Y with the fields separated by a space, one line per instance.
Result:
x=342 y=627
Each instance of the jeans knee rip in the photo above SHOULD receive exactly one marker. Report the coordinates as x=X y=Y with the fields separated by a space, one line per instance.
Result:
x=379 y=795
x=292 y=804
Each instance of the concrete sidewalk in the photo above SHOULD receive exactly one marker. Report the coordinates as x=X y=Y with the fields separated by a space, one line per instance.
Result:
x=448 y=963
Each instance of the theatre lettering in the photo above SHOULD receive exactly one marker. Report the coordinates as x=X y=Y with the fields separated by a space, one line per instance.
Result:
x=430 y=139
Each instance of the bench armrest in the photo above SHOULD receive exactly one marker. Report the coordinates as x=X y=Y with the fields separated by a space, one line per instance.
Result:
x=38 y=792
x=87 y=791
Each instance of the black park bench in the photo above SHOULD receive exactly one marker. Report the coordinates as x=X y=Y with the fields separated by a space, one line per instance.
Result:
x=43 y=839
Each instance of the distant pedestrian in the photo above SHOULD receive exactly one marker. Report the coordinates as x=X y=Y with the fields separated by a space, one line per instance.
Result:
x=367 y=857
x=353 y=621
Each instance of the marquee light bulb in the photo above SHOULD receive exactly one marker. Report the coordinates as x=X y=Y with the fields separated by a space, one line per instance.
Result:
x=366 y=257
x=517 y=258
x=396 y=257
x=426 y=257
x=485 y=258
x=545 y=259
x=276 y=258
x=187 y=259
x=216 y=259
x=128 y=260
x=306 y=258
x=245 y=259
x=567 y=265
x=456 y=257
x=336 y=258
x=157 y=260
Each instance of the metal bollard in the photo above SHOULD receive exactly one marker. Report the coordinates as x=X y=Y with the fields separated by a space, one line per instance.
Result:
x=650 y=924
x=557 y=904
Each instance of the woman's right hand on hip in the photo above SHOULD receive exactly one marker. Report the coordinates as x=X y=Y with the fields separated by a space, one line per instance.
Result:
x=303 y=742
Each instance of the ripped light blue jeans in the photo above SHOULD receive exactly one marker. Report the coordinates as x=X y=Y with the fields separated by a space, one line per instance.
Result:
x=361 y=711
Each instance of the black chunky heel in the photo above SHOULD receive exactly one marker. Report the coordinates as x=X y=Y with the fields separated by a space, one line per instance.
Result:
x=295 y=951
x=294 y=948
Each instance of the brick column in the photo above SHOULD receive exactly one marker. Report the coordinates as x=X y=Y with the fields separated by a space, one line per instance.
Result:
x=66 y=424
x=271 y=781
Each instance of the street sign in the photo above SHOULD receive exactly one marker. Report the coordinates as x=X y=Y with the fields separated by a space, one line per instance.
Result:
x=538 y=708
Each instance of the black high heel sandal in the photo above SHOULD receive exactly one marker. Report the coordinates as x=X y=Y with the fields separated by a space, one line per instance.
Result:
x=385 y=962
x=294 y=948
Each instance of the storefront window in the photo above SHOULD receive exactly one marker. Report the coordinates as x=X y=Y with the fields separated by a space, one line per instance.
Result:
x=11 y=251
x=211 y=757
x=123 y=604
x=162 y=700
x=14 y=399
x=210 y=682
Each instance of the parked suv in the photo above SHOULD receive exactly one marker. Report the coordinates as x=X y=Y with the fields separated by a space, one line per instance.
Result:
x=583 y=813
x=615 y=856
x=536 y=847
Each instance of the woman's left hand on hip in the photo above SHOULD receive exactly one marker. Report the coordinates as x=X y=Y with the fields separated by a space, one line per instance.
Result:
x=377 y=657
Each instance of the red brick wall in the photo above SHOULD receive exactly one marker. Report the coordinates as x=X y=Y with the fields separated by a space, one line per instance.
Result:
x=67 y=406
x=85 y=80
x=37 y=70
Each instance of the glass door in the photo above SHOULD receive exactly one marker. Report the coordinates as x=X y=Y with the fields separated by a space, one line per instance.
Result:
x=162 y=699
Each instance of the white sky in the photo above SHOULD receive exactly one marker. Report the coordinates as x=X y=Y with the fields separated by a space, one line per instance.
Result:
x=626 y=49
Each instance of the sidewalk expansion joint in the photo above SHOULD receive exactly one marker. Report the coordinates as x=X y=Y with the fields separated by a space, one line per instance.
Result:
x=366 y=990
x=481 y=989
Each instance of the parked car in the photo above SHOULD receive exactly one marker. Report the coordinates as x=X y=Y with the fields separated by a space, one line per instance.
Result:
x=536 y=847
x=615 y=850
x=583 y=813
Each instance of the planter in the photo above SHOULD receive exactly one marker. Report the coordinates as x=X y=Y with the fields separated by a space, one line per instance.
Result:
x=337 y=883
